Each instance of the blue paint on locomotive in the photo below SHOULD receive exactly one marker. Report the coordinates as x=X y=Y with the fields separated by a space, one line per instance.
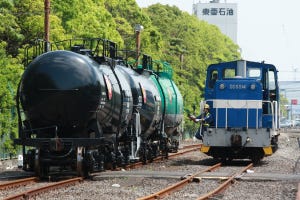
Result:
x=244 y=101
x=236 y=103
x=238 y=96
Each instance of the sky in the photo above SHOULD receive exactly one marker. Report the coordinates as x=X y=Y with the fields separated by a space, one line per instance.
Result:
x=268 y=30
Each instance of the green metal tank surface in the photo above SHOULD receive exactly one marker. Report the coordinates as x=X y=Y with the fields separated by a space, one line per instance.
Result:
x=172 y=102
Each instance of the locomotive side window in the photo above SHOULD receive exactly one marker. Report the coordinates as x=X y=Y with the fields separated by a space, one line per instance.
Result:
x=272 y=86
x=213 y=78
x=271 y=82
x=229 y=73
x=270 y=90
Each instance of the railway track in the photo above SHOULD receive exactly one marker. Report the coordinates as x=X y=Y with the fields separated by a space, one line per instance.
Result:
x=17 y=183
x=184 y=150
x=194 y=177
x=36 y=187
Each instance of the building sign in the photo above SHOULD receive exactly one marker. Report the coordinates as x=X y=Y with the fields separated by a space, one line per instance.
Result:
x=218 y=11
x=294 y=102
x=223 y=15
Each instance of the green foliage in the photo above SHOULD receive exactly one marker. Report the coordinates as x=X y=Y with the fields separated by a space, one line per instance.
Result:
x=127 y=14
x=86 y=19
x=283 y=102
x=9 y=73
x=10 y=30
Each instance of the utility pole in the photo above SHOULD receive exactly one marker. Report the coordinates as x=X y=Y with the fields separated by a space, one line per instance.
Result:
x=47 y=25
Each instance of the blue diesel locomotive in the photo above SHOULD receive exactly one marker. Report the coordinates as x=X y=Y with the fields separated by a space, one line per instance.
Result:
x=244 y=101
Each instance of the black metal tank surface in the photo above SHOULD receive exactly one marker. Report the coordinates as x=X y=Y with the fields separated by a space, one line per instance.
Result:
x=60 y=90
x=116 y=111
x=146 y=99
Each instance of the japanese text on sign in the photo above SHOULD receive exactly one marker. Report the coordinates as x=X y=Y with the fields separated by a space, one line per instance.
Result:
x=218 y=11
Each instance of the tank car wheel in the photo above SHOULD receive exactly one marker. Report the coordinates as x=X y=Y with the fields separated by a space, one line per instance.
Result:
x=41 y=170
x=143 y=153
x=80 y=169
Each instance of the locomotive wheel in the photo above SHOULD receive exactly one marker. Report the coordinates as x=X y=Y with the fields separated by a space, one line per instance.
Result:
x=80 y=169
x=257 y=156
x=255 y=159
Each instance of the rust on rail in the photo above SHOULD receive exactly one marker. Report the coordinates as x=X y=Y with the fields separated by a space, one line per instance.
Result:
x=36 y=191
x=225 y=184
x=185 y=149
x=17 y=183
x=178 y=185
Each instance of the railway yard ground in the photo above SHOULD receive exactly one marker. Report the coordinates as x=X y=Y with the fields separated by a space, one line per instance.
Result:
x=276 y=177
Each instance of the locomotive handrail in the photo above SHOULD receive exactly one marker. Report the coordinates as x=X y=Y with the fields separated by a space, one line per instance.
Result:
x=277 y=114
x=274 y=113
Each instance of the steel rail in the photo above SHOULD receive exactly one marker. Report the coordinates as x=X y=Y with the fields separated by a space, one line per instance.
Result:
x=17 y=183
x=178 y=185
x=185 y=150
x=36 y=191
x=225 y=184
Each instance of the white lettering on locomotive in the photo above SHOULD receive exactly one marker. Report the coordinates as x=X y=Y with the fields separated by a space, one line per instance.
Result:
x=237 y=86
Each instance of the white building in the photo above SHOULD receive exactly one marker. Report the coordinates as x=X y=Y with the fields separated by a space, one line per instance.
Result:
x=291 y=91
x=223 y=15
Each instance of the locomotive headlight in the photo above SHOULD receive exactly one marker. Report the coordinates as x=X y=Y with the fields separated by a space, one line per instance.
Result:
x=252 y=86
x=222 y=86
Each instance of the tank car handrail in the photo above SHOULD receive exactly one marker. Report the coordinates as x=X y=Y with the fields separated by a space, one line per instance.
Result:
x=43 y=128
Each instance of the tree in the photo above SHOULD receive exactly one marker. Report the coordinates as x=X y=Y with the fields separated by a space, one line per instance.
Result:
x=10 y=71
x=10 y=30
x=283 y=106
x=83 y=19
x=131 y=14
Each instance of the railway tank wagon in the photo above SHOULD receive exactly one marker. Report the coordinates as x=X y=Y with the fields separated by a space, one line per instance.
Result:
x=85 y=111
x=172 y=101
x=244 y=101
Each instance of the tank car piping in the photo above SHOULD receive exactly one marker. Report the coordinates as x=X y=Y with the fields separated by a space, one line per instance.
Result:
x=112 y=66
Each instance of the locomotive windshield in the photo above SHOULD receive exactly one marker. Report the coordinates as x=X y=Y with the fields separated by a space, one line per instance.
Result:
x=230 y=72
x=253 y=73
